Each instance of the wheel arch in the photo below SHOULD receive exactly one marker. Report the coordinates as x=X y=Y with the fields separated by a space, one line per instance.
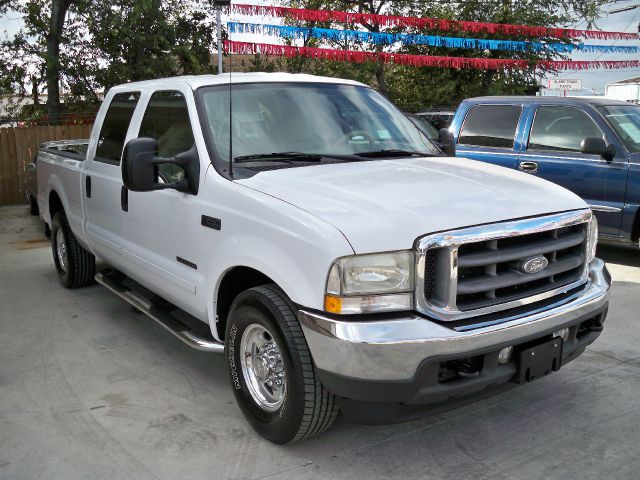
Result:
x=234 y=281
x=54 y=204
x=54 y=198
x=635 y=229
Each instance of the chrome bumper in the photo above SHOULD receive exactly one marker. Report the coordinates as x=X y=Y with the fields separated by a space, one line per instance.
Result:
x=393 y=349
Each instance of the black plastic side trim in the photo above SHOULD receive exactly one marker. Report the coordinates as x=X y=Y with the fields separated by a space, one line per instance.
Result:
x=211 y=222
x=187 y=263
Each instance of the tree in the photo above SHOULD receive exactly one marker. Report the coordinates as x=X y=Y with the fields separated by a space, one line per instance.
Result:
x=413 y=88
x=38 y=42
x=86 y=46
x=53 y=35
x=143 y=39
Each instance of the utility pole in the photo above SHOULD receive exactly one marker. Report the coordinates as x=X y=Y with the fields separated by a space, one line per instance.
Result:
x=219 y=35
x=219 y=4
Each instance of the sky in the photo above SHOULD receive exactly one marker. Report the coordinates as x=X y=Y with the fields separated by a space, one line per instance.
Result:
x=593 y=81
x=619 y=22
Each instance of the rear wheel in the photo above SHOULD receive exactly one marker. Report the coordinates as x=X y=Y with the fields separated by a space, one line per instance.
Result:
x=76 y=266
x=272 y=373
x=33 y=205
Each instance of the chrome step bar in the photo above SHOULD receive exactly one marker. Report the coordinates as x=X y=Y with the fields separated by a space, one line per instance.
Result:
x=147 y=307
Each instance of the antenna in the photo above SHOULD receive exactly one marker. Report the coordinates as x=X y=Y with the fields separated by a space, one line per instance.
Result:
x=230 y=119
x=219 y=4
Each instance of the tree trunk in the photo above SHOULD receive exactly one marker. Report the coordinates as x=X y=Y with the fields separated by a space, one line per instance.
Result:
x=34 y=91
x=380 y=65
x=138 y=64
x=380 y=77
x=59 y=10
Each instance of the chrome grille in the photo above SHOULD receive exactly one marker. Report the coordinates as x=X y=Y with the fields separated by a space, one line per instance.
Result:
x=476 y=271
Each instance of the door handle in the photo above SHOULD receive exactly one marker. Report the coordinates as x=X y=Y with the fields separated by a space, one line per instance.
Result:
x=529 y=167
x=87 y=183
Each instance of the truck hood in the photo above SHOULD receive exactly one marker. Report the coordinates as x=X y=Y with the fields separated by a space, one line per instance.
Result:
x=385 y=205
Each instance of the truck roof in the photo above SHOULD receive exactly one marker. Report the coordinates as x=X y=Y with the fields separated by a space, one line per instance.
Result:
x=196 y=81
x=595 y=101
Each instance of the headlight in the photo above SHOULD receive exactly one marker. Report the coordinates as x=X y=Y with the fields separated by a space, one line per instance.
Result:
x=371 y=283
x=593 y=239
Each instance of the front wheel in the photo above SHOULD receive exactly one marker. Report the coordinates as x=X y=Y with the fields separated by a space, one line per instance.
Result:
x=271 y=369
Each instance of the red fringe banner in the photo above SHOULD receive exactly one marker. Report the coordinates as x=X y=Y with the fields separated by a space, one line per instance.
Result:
x=424 y=22
x=246 y=48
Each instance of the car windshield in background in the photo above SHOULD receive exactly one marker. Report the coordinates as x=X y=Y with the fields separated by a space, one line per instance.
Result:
x=625 y=120
x=307 y=119
x=425 y=127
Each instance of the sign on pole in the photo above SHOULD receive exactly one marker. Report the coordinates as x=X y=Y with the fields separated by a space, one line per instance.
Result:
x=564 y=84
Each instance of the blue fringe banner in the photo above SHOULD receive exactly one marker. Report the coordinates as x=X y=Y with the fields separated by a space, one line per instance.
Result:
x=292 y=32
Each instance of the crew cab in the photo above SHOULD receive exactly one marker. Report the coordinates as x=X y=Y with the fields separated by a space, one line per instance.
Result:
x=306 y=229
x=589 y=145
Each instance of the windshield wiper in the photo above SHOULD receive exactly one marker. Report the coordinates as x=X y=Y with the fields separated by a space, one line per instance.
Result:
x=287 y=156
x=392 y=153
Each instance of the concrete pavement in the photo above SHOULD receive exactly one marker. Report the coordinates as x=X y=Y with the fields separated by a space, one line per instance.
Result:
x=90 y=389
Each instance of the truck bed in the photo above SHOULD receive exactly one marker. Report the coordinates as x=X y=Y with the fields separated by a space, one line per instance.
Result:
x=60 y=163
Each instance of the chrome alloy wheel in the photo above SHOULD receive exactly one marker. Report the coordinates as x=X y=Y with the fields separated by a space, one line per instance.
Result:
x=263 y=367
x=61 y=250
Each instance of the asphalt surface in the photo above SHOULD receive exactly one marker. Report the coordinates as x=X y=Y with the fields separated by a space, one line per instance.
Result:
x=91 y=389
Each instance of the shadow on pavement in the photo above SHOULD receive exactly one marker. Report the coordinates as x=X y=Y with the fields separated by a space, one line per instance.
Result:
x=621 y=255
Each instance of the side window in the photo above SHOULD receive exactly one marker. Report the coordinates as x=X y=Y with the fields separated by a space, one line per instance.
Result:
x=561 y=129
x=490 y=126
x=115 y=126
x=167 y=120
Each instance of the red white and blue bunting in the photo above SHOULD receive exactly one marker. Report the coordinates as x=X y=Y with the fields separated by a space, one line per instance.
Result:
x=247 y=48
x=295 y=32
x=438 y=24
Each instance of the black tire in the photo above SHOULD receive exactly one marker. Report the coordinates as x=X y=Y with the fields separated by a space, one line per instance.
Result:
x=80 y=266
x=308 y=408
x=33 y=204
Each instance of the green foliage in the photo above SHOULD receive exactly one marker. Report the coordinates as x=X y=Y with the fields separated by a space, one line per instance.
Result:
x=143 y=39
x=415 y=88
x=104 y=44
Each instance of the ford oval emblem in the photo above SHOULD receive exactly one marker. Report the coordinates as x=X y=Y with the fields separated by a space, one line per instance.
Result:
x=534 y=264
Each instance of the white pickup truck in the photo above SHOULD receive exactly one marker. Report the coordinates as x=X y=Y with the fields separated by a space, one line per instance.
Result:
x=304 y=227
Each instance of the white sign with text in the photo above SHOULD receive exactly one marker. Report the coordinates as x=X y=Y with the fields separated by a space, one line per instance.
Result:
x=564 y=84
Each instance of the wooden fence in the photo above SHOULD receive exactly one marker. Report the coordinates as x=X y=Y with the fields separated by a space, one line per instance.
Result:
x=18 y=146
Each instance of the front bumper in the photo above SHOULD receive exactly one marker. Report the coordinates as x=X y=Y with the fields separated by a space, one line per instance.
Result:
x=398 y=359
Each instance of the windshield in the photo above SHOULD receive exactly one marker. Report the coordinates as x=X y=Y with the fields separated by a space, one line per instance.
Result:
x=625 y=120
x=306 y=118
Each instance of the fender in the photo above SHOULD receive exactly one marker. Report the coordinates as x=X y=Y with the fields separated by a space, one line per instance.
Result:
x=303 y=282
x=75 y=216
x=297 y=264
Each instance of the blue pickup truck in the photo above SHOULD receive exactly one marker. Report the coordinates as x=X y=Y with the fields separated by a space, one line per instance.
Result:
x=590 y=146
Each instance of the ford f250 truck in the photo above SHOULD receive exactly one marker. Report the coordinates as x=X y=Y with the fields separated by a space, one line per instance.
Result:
x=304 y=227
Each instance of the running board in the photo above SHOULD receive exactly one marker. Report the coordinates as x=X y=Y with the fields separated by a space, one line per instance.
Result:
x=114 y=282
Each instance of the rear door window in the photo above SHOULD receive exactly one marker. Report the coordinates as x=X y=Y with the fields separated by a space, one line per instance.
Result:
x=114 y=127
x=561 y=129
x=166 y=119
x=490 y=126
